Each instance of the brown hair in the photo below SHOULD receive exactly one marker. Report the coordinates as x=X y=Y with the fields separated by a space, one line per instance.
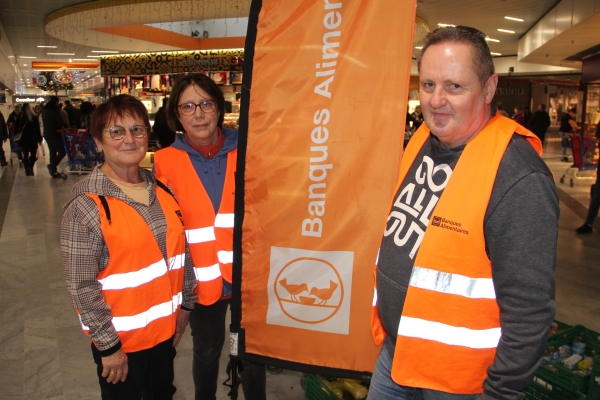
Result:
x=482 y=62
x=117 y=107
x=181 y=84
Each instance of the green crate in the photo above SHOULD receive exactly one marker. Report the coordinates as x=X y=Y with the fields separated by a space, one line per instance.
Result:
x=564 y=376
x=594 y=391
x=315 y=390
x=560 y=326
x=539 y=389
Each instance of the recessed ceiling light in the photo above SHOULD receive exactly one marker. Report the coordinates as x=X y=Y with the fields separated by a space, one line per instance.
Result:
x=24 y=65
x=488 y=39
x=48 y=47
x=11 y=56
x=80 y=59
x=418 y=47
x=514 y=19
x=95 y=72
x=93 y=56
x=61 y=54
x=495 y=54
x=104 y=51
x=505 y=31
x=446 y=25
x=26 y=57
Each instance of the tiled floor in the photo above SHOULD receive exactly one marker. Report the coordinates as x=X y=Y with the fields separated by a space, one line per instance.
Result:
x=44 y=355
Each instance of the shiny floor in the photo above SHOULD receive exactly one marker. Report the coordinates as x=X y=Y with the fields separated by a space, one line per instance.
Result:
x=44 y=355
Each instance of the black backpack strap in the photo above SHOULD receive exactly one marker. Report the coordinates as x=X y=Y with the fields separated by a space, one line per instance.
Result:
x=105 y=206
x=166 y=189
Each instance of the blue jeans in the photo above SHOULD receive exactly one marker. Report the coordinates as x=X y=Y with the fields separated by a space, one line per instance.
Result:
x=384 y=388
x=562 y=136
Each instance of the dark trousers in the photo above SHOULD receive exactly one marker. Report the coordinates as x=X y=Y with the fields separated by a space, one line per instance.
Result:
x=208 y=335
x=56 y=149
x=595 y=202
x=150 y=374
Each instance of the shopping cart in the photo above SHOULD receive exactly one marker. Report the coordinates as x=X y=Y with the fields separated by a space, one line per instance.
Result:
x=585 y=158
x=14 y=147
x=82 y=153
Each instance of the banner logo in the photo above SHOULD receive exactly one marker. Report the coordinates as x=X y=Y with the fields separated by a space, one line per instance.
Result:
x=310 y=289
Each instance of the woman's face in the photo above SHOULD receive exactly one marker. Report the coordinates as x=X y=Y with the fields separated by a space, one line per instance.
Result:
x=200 y=127
x=37 y=110
x=126 y=152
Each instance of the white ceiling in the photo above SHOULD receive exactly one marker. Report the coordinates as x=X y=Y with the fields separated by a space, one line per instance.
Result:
x=23 y=21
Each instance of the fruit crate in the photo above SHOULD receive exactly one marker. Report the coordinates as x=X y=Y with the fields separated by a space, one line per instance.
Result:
x=555 y=373
x=594 y=391
x=559 y=327
x=314 y=389
x=539 y=389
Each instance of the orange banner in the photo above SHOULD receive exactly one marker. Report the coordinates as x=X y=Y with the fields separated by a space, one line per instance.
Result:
x=325 y=128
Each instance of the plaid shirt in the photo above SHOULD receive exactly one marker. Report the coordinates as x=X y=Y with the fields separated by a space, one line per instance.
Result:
x=85 y=253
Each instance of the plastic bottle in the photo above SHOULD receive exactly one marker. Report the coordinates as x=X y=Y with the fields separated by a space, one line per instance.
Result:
x=355 y=388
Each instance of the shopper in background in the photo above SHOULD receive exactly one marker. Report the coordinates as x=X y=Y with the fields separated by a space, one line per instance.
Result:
x=29 y=126
x=539 y=123
x=123 y=247
x=500 y=108
x=200 y=167
x=518 y=116
x=567 y=125
x=71 y=113
x=595 y=201
x=38 y=111
x=526 y=115
x=12 y=122
x=165 y=135
x=63 y=114
x=84 y=116
x=3 y=139
x=418 y=116
x=472 y=253
x=53 y=123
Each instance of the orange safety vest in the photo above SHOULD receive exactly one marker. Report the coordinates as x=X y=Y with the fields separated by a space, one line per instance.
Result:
x=143 y=290
x=450 y=324
x=209 y=235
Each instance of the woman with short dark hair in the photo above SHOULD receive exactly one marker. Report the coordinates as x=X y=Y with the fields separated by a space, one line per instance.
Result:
x=200 y=167
x=28 y=125
x=123 y=248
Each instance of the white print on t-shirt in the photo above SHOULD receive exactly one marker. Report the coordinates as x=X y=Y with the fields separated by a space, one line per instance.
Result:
x=405 y=209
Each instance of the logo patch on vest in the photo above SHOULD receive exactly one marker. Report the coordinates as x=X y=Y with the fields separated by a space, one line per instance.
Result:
x=310 y=289
x=180 y=216
x=447 y=224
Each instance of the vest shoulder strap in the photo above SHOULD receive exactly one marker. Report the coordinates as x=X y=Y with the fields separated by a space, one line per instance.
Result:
x=166 y=189
x=105 y=206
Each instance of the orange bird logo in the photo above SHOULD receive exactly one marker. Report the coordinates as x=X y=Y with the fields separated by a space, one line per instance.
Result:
x=293 y=289
x=325 y=293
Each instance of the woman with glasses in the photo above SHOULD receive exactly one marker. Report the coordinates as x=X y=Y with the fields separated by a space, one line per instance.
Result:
x=199 y=166
x=126 y=263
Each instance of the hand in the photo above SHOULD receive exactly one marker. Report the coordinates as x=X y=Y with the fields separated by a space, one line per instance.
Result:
x=182 y=320
x=115 y=367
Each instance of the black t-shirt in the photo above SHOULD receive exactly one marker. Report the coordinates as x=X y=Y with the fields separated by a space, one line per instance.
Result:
x=564 y=123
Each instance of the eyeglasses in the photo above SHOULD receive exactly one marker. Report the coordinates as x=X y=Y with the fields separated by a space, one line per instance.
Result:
x=118 y=132
x=207 y=106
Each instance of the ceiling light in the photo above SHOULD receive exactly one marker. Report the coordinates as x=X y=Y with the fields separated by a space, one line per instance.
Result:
x=26 y=57
x=93 y=56
x=61 y=54
x=495 y=54
x=80 y=59
x=489 y=39
x=104 y=51
x=95 y=72
x=418 y=47
x=70 y=60
x=24 y=65
x=11 y=56
x=514 y=19
x=48 y=47
x=446 y=25
x=505 y=31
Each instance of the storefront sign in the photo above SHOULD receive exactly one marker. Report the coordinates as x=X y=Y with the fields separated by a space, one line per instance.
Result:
x=29 y=99
x=172 y=63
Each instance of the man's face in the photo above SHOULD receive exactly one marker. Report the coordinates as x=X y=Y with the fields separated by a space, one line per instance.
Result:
x=456 y=107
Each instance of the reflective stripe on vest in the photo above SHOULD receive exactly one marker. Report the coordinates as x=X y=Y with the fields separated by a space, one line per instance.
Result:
x=143 y=292
x=450 y=311
x=210 y=235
